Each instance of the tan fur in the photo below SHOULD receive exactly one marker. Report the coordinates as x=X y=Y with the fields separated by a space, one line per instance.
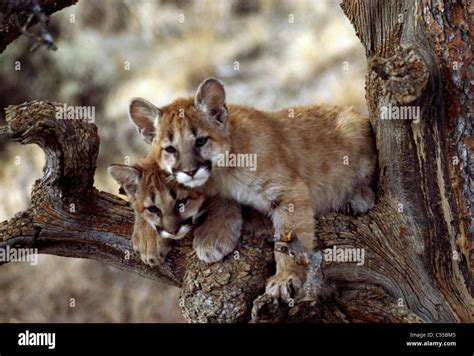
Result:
x=147 y=185
x=221 y=231
x=151 y=247
x=311 y=160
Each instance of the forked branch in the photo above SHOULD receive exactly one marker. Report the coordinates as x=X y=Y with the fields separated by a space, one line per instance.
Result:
x=69 y=217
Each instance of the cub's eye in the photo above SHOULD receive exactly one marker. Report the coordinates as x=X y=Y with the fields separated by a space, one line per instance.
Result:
x=170 y=149
x=181 y=203
x=154 y=209
x=201 y=141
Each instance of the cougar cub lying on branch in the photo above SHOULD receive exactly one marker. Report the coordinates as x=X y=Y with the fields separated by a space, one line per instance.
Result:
x=166 y=210
x=309 y=160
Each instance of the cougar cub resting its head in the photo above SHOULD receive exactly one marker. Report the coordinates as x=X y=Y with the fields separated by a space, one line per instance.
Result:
x=307 y=160
x=166 y=210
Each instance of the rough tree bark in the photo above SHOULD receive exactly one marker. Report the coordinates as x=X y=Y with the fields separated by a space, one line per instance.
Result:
x=14 y=15
x=418 y=240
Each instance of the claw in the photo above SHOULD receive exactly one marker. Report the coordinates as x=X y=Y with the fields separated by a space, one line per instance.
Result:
x=349 y=210
x=283 y=288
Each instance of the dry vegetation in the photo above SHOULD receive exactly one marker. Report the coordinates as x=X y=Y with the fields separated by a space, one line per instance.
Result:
x=316 y=58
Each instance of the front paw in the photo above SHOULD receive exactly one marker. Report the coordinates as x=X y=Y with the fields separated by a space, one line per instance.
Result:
x=151 y=248
x=212 y=242
x=284 y=286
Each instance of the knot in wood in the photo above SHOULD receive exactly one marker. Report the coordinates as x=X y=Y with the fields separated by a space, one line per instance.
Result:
x=404 y=75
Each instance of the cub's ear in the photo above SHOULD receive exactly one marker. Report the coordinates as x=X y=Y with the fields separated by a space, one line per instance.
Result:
x=210 y=100
x=127 y=176
x=145 y=116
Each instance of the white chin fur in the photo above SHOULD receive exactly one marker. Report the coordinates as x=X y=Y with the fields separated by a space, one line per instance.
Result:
x=168 y=168
x=183 y=231
x=182 y=178
x=202 y=173
x=166 y=235
x=200 y=178
x=196 y=183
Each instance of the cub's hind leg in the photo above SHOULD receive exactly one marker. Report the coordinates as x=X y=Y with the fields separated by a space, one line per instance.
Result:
x=294 y=214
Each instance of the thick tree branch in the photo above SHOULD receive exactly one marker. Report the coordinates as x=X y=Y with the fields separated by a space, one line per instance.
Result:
x=417 y=240
x=16 y=16
x=68 y=217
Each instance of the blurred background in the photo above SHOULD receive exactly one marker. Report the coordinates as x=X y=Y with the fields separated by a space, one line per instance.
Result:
x=269 y=53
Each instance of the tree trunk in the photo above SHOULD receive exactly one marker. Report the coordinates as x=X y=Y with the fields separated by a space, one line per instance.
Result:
x=417 y=240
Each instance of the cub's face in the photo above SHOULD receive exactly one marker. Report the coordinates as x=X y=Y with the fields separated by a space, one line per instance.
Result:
x=172 y=210
x=189 y=135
